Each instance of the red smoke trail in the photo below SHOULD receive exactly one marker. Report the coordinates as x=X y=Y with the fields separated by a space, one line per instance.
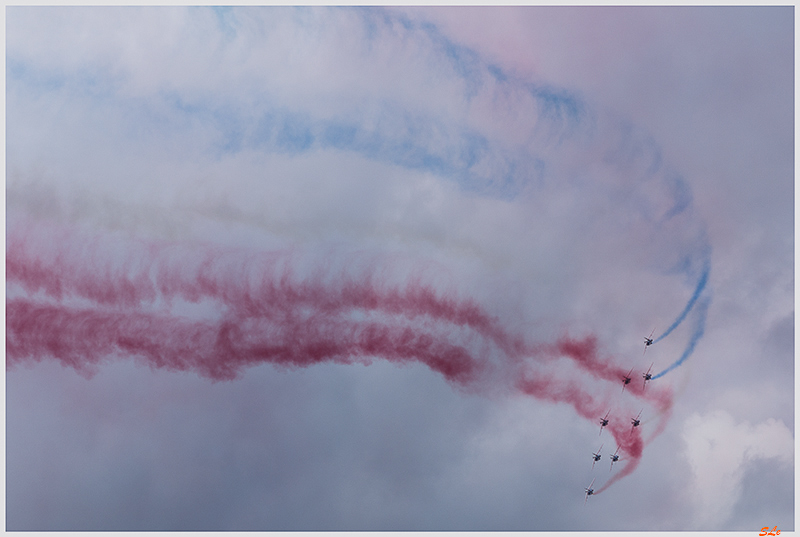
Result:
x=627 y=439
x=585 y=354
x=252 y=285
x=86 y=299
x=82 y=338
x=595 y=402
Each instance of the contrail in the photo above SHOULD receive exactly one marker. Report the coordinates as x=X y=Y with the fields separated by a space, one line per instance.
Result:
x=701 y=284
x=82 y=338
x=86 y=300
x=628 y=439
x=697 y=333
x=263 y=285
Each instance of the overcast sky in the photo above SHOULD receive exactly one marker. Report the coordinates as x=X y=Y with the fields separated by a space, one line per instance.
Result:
x=385 y=269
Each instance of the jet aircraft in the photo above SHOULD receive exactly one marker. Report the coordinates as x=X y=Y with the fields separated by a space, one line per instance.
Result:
x=626 y=379
x=596 y=456
x=635 y=421
x=614 y=458
x=603 y=422
x=589 y=491
x=648 y=341
x=647 y=376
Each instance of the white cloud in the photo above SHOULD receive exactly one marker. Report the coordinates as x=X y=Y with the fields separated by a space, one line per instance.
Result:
x=719 y=450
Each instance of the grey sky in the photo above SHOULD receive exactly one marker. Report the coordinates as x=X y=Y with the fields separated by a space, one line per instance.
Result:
x=568 y=169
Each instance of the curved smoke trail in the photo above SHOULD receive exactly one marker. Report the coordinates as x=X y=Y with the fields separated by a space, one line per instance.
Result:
x=701 y=284
x=699 y=302
x=123 y=302
x=697 y=332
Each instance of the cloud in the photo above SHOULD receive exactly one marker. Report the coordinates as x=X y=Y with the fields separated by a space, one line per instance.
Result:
x=719 y=451
x=403 y=157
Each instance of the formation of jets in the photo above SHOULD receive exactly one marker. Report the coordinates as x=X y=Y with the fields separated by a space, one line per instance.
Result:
x=635 y=422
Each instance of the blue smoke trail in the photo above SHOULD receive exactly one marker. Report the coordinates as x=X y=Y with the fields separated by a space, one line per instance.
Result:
x=699 y=330
x=701 y=284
